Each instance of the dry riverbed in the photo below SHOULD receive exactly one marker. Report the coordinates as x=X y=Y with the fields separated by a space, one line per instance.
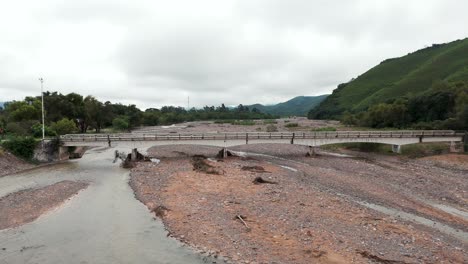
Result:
x=25 y=206
x=322 y=209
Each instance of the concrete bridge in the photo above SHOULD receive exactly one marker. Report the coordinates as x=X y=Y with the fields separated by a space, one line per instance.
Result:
x=229 y=139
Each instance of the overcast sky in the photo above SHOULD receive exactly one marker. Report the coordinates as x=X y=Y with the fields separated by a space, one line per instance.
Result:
x=153 y=53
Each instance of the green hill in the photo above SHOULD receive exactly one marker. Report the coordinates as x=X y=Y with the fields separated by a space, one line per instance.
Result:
x=298 y=106
x=407 y=76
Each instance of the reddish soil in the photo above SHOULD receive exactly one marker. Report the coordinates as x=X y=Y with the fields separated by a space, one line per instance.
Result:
x=312 y=213
x=27 y=205
x=456 y=160
x=10 y=164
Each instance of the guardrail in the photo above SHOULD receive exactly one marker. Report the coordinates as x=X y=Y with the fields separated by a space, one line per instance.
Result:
x=257 y=135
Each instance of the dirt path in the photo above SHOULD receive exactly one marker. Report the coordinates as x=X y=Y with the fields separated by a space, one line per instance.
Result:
x=25 y=206
x=316 y=210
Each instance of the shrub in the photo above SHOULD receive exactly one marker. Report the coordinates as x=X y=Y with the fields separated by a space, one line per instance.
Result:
x=324 y=129
x=270 y=121
x=292 y=125
x=243 y=122
x=64 y=126
x=21 y=146
x=120 y=123
x=37 y=131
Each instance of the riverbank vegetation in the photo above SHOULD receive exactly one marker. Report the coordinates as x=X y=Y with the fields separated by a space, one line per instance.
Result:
x=70 y=113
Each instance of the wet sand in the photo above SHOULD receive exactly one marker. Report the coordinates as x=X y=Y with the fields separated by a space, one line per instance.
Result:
x=27 y=205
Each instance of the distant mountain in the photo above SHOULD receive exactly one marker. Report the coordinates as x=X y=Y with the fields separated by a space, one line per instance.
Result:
x=396 y=78
x=298 y=106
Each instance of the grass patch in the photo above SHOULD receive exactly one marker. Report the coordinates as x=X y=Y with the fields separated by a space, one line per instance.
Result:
x=243 y=123
x=269 y=121
x=290 y=125
x=324 y=129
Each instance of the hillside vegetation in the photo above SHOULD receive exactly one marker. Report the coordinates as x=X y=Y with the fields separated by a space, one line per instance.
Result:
x=298 y=106
x=407 y=76
x=427 y=89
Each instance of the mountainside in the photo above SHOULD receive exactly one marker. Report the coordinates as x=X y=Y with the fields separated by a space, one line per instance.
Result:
x=298 y=106
x=406 y=76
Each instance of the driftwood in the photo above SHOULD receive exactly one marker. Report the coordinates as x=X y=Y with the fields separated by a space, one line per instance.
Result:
x=240 y=217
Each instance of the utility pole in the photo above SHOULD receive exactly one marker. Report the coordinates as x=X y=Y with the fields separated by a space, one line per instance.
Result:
x=188 y=103
x=43 y=124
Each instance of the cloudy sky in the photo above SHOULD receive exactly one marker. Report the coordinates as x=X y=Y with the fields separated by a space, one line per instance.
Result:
x=154 y=53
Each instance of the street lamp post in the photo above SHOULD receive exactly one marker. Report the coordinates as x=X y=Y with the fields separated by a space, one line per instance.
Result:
x=43 y=124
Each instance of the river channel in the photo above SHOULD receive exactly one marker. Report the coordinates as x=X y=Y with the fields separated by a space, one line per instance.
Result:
x=102 y=224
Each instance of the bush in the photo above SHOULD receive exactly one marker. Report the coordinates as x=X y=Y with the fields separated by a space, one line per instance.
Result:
x=270 y=121
x=243 y=122
x=292 y=125
x=17 y=129
x=64 y=126
x=21 y=146
x=36 y=130
x=120 y=123
x=324 y=129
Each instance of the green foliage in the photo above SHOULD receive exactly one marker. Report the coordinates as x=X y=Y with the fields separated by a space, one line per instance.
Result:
x=290 y=125
x=298 y=106
x=270 y=121
x=243 y=122
x=434 y=109
x=121 y=123
x=37 y=131
x=324 y=129
x=436 y=68
x=64 y=126
x=21 y=146
x=16 y=128
x=23 y=117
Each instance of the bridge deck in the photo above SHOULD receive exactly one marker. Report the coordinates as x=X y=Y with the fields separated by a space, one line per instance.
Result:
x=82 y=138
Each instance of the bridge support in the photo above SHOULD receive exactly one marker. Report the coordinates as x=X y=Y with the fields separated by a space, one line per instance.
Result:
x=396 y=149
x=134 y=155
x=456 y=147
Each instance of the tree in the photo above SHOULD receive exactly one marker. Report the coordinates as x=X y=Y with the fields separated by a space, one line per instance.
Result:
x=64 y=126
x=120 y=123
x=94 y=115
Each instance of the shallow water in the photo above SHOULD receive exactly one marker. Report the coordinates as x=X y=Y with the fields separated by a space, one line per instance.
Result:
x=102 y=224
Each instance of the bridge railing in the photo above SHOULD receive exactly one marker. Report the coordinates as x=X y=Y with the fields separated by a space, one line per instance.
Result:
x=256 y=135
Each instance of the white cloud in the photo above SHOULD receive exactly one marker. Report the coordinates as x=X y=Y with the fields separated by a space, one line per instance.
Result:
x=153 y=53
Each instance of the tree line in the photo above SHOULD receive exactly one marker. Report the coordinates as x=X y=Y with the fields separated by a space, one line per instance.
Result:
x=444 y=106
x=72 y=113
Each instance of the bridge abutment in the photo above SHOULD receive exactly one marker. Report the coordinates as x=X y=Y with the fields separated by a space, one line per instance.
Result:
x=396 y=149
x=457 y=147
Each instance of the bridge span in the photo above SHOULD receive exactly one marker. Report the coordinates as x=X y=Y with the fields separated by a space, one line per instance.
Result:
x=229 y=139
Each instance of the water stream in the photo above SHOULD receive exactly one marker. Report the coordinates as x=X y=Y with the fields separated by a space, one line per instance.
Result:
x=102 y=224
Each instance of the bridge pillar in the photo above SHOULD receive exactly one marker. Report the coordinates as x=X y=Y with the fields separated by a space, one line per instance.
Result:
x=396 y=149
x=456 y=147
x=63 y=153
x=134 y=155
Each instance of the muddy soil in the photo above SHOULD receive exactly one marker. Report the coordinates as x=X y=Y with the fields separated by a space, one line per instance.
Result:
x=321 y=209
x=25 y=206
